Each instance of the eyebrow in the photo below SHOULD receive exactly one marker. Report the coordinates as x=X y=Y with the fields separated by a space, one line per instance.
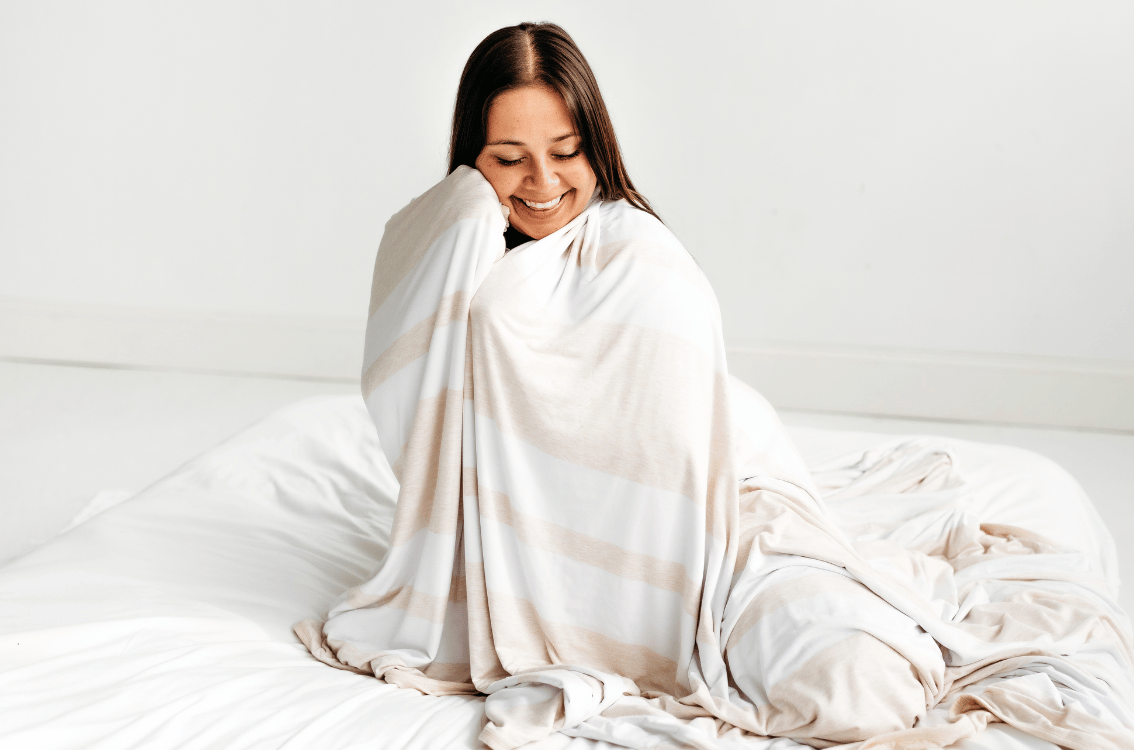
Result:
x=521 y=143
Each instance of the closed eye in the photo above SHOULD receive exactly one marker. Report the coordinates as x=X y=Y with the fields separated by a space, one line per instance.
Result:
x=507 y=162
x=565 y=157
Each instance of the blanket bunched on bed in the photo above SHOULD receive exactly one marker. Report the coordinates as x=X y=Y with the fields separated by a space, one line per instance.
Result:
x=609 y=538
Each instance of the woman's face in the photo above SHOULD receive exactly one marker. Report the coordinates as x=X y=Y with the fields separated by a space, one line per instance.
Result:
x=534 y=161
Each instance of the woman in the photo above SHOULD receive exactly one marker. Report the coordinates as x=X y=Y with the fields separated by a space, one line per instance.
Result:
x=595 y=527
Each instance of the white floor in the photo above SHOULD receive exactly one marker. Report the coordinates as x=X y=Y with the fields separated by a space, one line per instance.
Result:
x=67 y=433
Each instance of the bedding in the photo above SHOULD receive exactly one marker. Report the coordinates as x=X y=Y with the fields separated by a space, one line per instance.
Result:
x=611 y=540
x=165 y=622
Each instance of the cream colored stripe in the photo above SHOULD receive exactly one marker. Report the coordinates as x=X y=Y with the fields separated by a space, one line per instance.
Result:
x=924 y=737
x=781 y=594
x=432 y=214
x=430 y=469
x=419 y=604
x=753 y=506
x=635 y=566
x=415 y=342
x=310 y=632
x=523 y=640
x=1036 y=543
x=414 y=603
x=448 y=672
x=483 y=661
x=469 y=481
x=621 y=380
x=409 y=677
x=721 y=508
x=468 y=387
x=644 y=251
x=853 y=690
x=1032 y=615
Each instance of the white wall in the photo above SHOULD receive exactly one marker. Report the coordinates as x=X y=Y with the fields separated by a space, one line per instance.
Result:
x=931 y=176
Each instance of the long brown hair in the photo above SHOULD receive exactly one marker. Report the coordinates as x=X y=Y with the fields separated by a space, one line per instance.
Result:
x=539 y=53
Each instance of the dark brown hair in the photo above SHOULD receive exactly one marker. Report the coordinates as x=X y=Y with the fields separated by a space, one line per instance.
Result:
x=539 y=54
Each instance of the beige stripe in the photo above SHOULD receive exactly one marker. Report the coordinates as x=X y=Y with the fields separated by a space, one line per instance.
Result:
x=1032 y=615
x=421 y=605
x=792 y=590
x=469 y=486
x=753 y=521
x=430 y=469
x=1062 y=724
x=409 y=677
x=413 y=230
x=921 y=738
x=413 y=602
x=468 y=387
x=415 y=342
x=485 y=664
x=835 y=696
x=677 y=260
x=1036 y=543
x=641 y=401
x=310 y=632
x=448 y=672
x=525 y=641
x=792 y=524
x=635 y=566
x=722 y=490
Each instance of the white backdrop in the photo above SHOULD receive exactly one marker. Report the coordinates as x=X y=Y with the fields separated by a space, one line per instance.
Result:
x=930 y=176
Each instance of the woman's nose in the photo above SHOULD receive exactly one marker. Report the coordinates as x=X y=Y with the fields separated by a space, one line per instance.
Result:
x=543 y=174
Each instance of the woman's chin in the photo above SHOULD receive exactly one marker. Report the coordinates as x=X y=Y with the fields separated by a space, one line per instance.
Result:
x=537 y=232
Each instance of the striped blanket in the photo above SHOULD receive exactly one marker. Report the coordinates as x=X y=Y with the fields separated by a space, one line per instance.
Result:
x=609 y=538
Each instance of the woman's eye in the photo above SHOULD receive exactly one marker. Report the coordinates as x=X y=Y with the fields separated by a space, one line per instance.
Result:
x=565 y=157
x=507 y=162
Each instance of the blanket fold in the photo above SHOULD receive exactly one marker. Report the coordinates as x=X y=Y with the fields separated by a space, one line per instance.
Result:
x=606 y=535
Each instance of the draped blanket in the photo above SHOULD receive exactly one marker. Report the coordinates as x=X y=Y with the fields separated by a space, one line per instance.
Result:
x=609 y=538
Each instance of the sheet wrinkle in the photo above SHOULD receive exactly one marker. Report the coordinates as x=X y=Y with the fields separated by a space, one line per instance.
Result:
x=795 y=627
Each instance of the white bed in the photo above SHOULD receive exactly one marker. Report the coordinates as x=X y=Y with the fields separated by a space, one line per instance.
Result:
x=165 y=622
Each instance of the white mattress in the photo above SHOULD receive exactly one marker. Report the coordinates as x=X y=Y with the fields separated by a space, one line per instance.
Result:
x=165 y=622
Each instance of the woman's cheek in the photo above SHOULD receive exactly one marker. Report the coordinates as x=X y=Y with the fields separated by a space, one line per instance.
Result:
x=496 y=180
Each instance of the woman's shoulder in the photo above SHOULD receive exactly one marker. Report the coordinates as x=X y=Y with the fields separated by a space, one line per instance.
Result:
x=625 y=224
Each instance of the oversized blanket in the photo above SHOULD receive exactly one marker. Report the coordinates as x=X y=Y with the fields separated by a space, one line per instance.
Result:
x=609 y=538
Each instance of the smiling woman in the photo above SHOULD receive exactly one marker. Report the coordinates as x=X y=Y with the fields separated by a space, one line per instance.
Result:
x=606 y=536
x=529 y=115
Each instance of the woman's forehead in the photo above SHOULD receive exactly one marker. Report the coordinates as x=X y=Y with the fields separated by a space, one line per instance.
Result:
x=529 y=115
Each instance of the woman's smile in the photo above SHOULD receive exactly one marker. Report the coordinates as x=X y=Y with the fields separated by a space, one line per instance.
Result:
x=545 y=206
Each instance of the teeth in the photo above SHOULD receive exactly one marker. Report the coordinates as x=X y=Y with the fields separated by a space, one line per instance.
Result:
x=541 y=206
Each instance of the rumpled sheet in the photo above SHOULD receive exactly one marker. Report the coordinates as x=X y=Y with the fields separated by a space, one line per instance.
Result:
x=165 y=622
x=611 y=540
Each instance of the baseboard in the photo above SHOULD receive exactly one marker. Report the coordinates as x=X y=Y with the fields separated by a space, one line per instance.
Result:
x=1054 y=391
x=1014 y=389
x=274 y=345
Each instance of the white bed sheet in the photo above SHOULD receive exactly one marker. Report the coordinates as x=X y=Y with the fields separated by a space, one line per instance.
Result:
x=165 y=622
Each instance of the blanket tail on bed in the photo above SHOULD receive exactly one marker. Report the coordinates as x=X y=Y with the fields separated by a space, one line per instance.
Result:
x=610 y=538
